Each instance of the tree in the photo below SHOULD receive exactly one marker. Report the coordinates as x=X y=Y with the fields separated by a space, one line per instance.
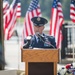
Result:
x=66 y=9
x=1 y=38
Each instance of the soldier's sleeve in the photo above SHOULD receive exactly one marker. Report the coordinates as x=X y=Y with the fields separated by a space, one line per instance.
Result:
x=52 y=40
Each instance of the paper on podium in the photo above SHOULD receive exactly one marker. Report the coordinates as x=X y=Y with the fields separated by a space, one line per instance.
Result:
x=37 y=48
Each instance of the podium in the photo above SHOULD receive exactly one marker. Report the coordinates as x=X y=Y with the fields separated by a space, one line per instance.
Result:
x=40 y=61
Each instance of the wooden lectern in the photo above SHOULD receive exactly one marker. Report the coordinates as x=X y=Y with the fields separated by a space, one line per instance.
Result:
x=40 y=61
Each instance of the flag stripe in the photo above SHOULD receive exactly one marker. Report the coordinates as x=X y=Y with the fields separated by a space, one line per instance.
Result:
x=72 y=10
x=5 y=6
x=10 y=19
x=56 y=22
x=33 y=10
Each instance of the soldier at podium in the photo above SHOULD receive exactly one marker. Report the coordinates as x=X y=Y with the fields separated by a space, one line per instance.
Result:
x=39 y=39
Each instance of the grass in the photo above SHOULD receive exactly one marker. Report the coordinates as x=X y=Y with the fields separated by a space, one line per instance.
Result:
x=21 y=19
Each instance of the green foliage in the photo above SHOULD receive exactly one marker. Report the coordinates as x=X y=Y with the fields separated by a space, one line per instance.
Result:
x=46 y=8
x=66 y=9
x=24 y=6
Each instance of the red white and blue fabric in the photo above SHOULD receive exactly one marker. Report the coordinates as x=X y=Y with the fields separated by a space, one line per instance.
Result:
x=72 y=10
x=10 y=19
x=68 y=69
x=56 y=22
x=33 y=10
x=19 y=9
x=5 y=6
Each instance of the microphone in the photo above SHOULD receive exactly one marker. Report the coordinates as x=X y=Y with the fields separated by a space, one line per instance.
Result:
x=41 y=37
x=44 y=39
x=26 y=45
x=50 y=44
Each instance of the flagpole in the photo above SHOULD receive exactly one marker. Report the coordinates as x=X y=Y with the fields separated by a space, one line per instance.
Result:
x=19 y=47
x=73 y=42
x=60 y=55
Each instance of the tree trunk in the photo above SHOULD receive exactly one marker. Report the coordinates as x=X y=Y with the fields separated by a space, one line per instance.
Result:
x=1 y=36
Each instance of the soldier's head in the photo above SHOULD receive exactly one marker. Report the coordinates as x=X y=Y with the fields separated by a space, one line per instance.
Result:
x=39 y=23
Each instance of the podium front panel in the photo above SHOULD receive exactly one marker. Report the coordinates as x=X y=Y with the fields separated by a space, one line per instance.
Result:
x=40 y=61
x=40 y=68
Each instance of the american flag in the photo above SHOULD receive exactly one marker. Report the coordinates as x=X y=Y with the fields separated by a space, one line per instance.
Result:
x=33 y=10
x=5 y=6
x=72 y=10
x=19 y=9
x=56 y=22
x=10 y=19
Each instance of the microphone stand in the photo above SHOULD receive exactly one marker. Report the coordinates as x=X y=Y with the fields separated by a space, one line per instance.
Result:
x=44 y=40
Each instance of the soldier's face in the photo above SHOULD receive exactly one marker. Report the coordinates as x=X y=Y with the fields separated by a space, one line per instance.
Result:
x=38 y=29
